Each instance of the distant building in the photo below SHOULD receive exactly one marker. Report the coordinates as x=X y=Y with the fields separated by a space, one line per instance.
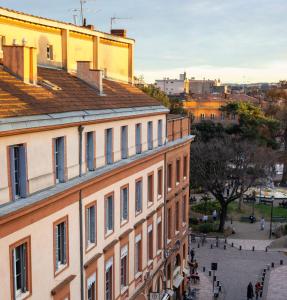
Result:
x=207 y=107
x=174 y=87
x=204 y=87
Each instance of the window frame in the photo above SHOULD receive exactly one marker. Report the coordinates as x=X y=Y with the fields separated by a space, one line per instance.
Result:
x=89 y=245
x=64 y=219
x=107 y=231
x=185 y=166
x=90 y=135
x=138 y=212
x=123 y=288
x=109 y=159
x=169 y=176
x=150 y=145
x=138 y=147
x=125 y=155
x=124 y=221
x=150 y=189
x=150 y=243
x=160 y=182
x=12 y=247
x=57 y=173
x=178 y=171
x=159 y=133
x=112 y=277
x=140 y=256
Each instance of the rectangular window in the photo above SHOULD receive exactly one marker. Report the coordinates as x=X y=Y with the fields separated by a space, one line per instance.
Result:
x=222 y=116
x=159 y=182
x=169 y=176
x=109 y=280
x=59 y=159
x=185 y=162
x=150 y=188
x=169 y=218
x=109 y=146
x=159 y=133
x=61 y=245
x=138 y=196
x=20 y=268
x=18 y=168
x=177 y=216
x=124 y=266
x=184 y=209
x=202 y=116
x=124 y=204
x=138 y=254
x=91 y=285
x=177 y=170
x=109 y=203
x=212 y=116
x=150 y=242
x=124 y=142
x=50 y=52
x=90 y=151
x=138 y=138
x=91 y=225
x=149 y=136
x=159 y=234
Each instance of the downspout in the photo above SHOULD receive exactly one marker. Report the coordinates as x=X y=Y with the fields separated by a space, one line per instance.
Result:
x=80 y=130
x=165 y=213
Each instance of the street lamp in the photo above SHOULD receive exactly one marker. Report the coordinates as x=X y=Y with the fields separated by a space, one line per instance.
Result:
x=271 y=216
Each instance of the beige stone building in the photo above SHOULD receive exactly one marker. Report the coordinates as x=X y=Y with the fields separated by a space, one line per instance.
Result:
x=94 y=175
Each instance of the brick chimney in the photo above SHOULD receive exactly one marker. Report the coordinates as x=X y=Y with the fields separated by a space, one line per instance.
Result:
x=92 y=77
x=119 y=32
x=21 y=61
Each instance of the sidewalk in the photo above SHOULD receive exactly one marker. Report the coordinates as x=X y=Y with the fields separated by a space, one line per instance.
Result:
x=277 y=289
x=204 y=287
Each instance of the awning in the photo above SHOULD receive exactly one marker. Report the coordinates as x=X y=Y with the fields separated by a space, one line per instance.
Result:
x=177 y=281
x=186 y=271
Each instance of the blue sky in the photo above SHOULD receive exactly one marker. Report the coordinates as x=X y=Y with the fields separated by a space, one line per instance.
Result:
x=235 y=40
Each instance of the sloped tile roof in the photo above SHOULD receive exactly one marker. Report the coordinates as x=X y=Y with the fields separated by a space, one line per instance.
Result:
x=20 y=99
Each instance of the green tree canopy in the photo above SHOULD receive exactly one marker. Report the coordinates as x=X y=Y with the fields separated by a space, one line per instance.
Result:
x=156 y=93
x=253 y=123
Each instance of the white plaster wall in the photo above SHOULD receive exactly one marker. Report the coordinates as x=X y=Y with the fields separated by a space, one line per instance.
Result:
x=39 y=150
x=42 y=259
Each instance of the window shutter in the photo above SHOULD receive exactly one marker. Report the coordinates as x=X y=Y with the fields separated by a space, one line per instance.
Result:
x=125 y=204
x=107 y=215
x=140 y=195
x=64 y=243
x=111 y=213
x=61 y=160
x=138 y=138
x=23 y=173
x=12 y=171
x=160 y=132
x=90 y=150
x=92 y=225
x=23 y=255
x=14 y=271
x=57 y=246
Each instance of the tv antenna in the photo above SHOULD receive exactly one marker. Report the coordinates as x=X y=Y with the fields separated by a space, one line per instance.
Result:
x=114 y=19
x=82 y=10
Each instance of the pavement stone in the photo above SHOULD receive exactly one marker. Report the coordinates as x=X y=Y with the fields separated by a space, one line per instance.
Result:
x=249 y=244
x=204 y=286
x=277 y=289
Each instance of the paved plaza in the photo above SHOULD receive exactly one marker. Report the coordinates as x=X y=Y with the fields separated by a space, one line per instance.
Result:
x=236 y=268
x=277 y=287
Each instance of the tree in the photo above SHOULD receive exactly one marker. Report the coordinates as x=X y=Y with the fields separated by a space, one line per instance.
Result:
x=227 y=167
x=277 y=107
x=206 y=130
x=253 y=123
x=156 y=93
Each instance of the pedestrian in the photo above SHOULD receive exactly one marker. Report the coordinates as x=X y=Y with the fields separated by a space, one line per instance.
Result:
x=262 y=223
x=191 y=253
x=214 y=215
x=250 y=292
x=258 y=288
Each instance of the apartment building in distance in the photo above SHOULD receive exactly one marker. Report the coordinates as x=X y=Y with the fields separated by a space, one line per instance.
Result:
x=174 y=87
x=207 y=107
x=94 y=174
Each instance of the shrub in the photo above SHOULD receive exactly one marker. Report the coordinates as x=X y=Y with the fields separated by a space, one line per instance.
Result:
x=193 y=221
x=206 y=207
x=205 y=228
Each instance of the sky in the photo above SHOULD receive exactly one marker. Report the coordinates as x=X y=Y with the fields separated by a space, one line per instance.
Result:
x=240 y=41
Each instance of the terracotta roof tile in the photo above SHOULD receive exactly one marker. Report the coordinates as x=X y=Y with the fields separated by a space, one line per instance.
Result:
x=20 y=99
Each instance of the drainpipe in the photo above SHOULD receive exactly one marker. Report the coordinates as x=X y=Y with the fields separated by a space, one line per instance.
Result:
x=80 y=130
x=165 y=224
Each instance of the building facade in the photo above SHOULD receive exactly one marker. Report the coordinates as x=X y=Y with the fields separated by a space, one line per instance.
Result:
x=174 y=87
x=93 y=171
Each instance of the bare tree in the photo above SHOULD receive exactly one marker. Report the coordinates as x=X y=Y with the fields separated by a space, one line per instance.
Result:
x=227 y=167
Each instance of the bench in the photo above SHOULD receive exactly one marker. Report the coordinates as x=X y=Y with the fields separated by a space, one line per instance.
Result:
x=245 y=219
x=279 y=219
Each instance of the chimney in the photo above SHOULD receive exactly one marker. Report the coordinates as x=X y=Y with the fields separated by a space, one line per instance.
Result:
x=92 y=77
x=119 y=32
x=21 y=61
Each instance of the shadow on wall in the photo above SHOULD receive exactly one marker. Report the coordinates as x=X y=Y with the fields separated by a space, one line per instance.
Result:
x=46 y=54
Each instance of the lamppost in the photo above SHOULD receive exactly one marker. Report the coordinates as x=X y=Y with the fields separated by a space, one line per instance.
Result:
x=271 y=216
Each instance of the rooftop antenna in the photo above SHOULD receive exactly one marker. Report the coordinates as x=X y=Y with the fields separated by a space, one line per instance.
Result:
x=82 y=2
x=114 y=19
